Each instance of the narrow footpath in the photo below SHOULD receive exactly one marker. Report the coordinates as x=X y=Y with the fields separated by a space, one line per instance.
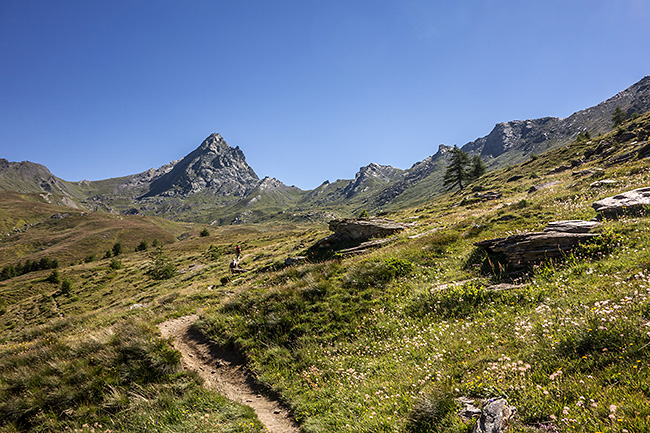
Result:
x=224 y=372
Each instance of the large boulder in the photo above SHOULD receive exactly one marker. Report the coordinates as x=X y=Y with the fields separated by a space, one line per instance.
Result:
x=523 y=250
x=355 y=232
x=364 y=229
x=630 y=202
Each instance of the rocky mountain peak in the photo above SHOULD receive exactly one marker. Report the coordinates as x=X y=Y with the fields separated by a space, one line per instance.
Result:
x=214 y=143
x=269 y=183
x=369 y=176
x=214 y=167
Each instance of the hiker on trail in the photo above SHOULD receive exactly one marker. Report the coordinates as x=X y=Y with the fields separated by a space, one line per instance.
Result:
x=234 y=267
x=238 y=251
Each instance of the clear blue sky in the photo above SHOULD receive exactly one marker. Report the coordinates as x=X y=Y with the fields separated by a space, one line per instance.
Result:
x=308 y=90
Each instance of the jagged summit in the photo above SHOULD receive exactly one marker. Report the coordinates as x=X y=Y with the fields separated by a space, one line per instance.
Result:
x=214 y=142
x=371 y=175
x=213 y=167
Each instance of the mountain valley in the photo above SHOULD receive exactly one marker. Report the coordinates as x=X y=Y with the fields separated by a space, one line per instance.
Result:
x=424 y=330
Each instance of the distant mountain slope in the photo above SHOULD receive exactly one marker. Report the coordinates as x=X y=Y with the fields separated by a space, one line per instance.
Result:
x=514 y=141
x=214 y=183
x=28 y=177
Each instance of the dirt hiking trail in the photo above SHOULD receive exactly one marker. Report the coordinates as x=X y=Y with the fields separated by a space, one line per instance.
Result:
x=224 y=371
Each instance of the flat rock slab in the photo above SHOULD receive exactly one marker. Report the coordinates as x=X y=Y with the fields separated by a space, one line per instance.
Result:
x=571 y=226
x=524 y=249
x=630 y=202
x=364 y=229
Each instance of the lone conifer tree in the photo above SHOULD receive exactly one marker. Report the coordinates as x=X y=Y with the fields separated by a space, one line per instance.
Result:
x=456 y=172
x=477 y=169
x=618 y=116
x=462 y=169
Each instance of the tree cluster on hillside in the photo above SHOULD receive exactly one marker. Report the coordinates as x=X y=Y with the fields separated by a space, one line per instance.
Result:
x=11 y=271
x=462 y=169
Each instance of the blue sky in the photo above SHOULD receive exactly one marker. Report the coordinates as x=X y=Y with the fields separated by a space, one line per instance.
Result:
x=310 y=91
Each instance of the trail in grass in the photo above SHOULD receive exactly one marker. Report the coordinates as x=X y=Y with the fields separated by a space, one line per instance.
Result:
x=224 y=372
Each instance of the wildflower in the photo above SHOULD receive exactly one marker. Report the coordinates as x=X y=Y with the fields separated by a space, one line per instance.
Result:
x=612 y=408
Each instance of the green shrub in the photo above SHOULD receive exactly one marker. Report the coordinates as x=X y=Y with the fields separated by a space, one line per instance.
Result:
x=204 y=233
x=463 y=300
x=598 y=247
x=66 y=286
x=115 y=264
x=117 y=249
x=161 y=267
x=213 y=253
x=54 y=277
x=142 y=246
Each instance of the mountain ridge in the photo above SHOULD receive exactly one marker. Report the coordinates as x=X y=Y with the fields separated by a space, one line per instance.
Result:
x=214 y=183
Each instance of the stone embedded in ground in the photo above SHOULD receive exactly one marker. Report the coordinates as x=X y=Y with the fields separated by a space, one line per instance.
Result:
x=602 y=183
x=629 y=202
x=494 y=418
x=291 y=261
x=541 y=186
x=490 y=195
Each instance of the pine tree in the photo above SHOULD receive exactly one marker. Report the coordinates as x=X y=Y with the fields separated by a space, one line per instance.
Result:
x=456 y=172
x=477 y=168
x=618 y=116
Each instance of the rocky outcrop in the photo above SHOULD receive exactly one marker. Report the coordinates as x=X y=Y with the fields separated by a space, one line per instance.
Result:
x=523 y=250
x=494 y=417
x=627 y=203
x=364 y=229
x=353 y=232
x=371 y=176
x=214 y=167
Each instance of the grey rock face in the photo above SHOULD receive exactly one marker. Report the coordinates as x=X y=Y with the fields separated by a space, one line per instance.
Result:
x=494 y=418
x=214 y=167
x=489 y=195
x=626 y=203
x=418 y=172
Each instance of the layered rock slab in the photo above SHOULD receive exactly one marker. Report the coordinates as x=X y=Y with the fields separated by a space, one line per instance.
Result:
x=629 y=202
x=558 y=239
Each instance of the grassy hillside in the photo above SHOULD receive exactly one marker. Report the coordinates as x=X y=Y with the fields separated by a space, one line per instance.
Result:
x=378 y=342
